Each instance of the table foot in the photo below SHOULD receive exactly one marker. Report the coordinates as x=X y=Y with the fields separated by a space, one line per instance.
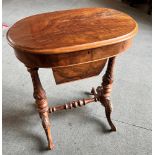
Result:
x=46 y=125
x=108 y=110
x=51 y=146
x=107 y=104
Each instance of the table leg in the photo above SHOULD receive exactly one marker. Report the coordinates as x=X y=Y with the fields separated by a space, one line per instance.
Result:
x=42 y=104
x=105 y=90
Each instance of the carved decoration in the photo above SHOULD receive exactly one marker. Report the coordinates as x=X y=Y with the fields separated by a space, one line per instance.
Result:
x=102 y=92
x=42 y=104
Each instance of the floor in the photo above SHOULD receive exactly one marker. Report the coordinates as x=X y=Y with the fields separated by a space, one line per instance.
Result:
x=81 y=131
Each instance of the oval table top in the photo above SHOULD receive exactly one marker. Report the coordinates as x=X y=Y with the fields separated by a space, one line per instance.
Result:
x=71 y=30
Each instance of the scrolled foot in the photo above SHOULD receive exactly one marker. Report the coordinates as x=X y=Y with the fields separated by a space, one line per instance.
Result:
x=108 y=110
x=51 y=146
x=113 y=128
x=46 y=125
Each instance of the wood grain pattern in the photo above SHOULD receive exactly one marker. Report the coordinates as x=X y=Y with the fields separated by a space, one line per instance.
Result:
x=66 y=59
x=76 y=44
x=77 y=72
x=71 y=30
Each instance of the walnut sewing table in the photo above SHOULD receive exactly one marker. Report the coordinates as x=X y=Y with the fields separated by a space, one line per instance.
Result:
x=76 y=44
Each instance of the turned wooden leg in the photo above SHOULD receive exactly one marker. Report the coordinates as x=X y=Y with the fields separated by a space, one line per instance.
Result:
x=104 y=91
x=42 y=104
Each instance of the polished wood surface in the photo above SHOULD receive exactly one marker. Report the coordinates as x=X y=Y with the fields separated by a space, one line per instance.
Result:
x=71 y=30
x=73 y=65
x=75 y=44
x=78 y=72
x=72 y=58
